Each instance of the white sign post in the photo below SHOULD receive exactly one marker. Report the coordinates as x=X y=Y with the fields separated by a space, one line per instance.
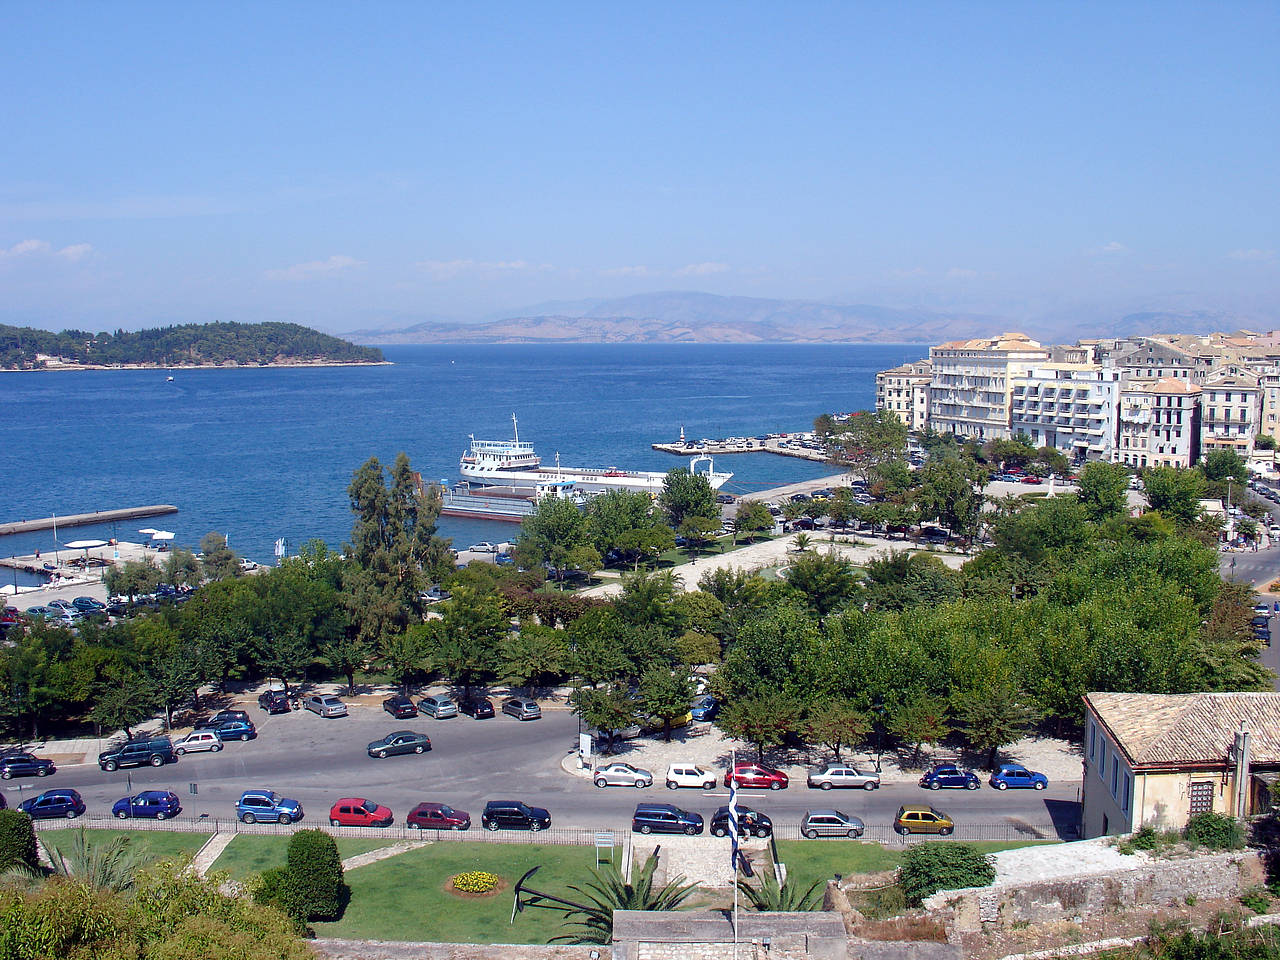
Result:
x=584 y=750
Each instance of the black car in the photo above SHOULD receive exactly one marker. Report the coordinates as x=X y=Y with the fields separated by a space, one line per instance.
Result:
x=478 y=708
x=53 y=803
x=402 y=741
x=274 y=701
x=514 y=815
x=400 y=707
x=221 y=717
x=137 y=753
x=665 y=818
x=25 y=765
x=749 y=822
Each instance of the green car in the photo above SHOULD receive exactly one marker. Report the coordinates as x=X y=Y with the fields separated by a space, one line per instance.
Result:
x=402 y=741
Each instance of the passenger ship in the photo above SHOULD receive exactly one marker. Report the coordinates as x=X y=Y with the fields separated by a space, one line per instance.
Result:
x=513 y=463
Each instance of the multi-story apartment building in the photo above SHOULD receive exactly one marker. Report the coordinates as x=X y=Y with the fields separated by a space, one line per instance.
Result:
x=1068 y=406
x=904 y=391
x=1159 y=423
x=1153 y=358
x=1231 y=406
x=973 y=380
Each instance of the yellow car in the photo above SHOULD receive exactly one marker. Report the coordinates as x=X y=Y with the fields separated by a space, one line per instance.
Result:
x=917 y=819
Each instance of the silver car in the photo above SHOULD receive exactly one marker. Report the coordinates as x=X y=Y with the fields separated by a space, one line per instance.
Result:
x=439 y=707
x=326 y=705
x=198 y=740
x=622 y=775
x=845 y=775
x=830 y=823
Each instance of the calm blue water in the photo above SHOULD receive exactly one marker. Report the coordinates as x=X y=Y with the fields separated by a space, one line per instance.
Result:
x=260 y=454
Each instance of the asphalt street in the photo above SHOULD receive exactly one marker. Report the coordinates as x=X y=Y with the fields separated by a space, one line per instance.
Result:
x=316 y=761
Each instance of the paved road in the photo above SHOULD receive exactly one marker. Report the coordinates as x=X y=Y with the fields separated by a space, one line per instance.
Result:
x=316 y=761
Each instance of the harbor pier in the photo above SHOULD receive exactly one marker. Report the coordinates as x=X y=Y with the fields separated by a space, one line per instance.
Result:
x=80 y=519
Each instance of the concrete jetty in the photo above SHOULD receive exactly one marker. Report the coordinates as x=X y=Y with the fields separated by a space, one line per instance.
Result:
x=781 y=444
x=80 y=519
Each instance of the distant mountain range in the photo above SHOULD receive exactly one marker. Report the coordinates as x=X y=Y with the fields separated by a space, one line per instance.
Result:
x=689 y=317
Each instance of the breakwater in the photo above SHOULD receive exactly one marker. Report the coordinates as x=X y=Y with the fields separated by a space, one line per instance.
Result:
x=80 y=519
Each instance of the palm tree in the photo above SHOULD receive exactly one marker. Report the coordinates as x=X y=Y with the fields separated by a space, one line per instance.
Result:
x=105 y=864
x=785 y=897
x=608 y=892
x=802 y=542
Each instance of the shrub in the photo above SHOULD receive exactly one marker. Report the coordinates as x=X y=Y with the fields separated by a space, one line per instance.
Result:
x=1256 y=900
x=930 y=867
x=275 y=887
x=475 y=881
x=316 y=875
x=1215 y=830
x=17 y=841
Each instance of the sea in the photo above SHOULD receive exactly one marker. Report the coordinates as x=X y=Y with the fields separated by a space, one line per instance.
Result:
x=266 y=454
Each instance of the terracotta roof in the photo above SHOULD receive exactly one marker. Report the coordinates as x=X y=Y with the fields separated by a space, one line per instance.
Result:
x=1163 y=385
x=1189 y=728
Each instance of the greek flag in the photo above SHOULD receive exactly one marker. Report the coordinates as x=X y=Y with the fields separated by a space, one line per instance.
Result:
x=280 y=547
x=733 y=823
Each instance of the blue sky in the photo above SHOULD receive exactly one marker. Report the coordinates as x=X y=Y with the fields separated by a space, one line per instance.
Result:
x=348 y=165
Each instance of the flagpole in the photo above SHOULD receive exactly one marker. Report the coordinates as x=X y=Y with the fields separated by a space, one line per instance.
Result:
x=733 y=843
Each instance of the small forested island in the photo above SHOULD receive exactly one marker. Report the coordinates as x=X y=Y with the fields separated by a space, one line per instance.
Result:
x=188 y=345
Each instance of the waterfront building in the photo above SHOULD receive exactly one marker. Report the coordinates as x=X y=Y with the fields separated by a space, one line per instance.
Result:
x=1068 y=406
x=1159 y=423
x=1231 y=412
x=904 y=391
x=1154 y=358
x=969 y=394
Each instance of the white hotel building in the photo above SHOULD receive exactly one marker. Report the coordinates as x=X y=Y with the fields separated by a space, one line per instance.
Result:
x=972 y=384
x=1068 y=406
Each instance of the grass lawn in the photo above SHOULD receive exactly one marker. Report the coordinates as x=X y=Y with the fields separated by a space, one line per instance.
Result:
x=247 y=854
x=158 y=843
x=404 y=898
x=809 y=860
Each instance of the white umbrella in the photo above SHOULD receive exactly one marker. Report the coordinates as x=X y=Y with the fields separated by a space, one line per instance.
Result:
x=162 y=535
x=84 y=544
x=149 y=531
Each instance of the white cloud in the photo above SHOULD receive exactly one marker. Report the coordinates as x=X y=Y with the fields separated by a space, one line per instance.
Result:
x=316 y=268
x=637 y=271
x=77 y=251
x=1255 y=255
x=961 y=273
x=1112 y=247
x=32 y=248
x=442 y=270
x=702 y=269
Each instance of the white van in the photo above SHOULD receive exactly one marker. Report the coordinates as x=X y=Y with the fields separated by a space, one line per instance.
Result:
x=685 y=774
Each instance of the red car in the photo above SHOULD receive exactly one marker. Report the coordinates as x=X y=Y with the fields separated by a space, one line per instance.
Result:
x=438 y=816
x=357 y=812
x=757 y=776
x=1031 y=478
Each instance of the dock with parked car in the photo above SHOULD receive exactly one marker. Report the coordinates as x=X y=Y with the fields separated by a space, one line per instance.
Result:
x=806 y=446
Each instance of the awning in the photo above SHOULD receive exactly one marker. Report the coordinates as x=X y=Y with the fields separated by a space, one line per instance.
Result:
x=84 y=544
x=149 y=531
x=162 y=535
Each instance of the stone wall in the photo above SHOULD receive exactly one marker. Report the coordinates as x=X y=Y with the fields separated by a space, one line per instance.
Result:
x=1165 y=882
x=383 y=950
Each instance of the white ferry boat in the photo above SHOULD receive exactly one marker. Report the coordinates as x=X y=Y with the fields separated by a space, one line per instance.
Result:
x=514 y=463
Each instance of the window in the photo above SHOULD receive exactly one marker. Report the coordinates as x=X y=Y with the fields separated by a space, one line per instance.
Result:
x=1102 y=762
x=1202 y=796
x=1128 y=788
x=1115 y=776
x=1093 y=737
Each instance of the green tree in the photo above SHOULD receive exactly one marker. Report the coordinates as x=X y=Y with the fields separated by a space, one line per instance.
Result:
x=345 y=654
x=993 y=716
x=752 y=518
x=132 y=578
x=122 y=700
x=1265 y=442
x=646 y=545
x=697 y=531
x=951 y=491
x=606 y=709
x=918 y=719
x=665 y=695
x=470 y=635
x=217 y=560
x=597 y=643
x=607 y=892
x=1221 y=464
x=316 y=874
x=762 y=720
x=825 y=581
x=616 y=515
x=182 y=569
x=1174 y=492
x=927 y=868
x=836 y=724
x=1104 y=490
x=554 y=531
x=110 y=863
x=686 y=494
x=17 y=841
x=866 y=440
x=533 y=657
x=405 y=655
x=648 y=598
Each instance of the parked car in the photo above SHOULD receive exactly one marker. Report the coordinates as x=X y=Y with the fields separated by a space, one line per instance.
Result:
x=842 y=775
x=197 y=741
x=619 y=774
x=325 y=705
x=40 y=613
x=917 y=819
x=59 y=604
x=478 y=708
x=514 y=815
x=88 y=605
x=25 y=765
x=255 y=805
x=400 y=707
x=757 y=776
x=137 y=753
x=830 y=823
x=53 y=803
x=437 y=816
x=951 y=776
x=155 y=804
x=484 y=546
x=235 y=730
x=274 y=701
x=684 y=774
x=750 y=821
x=221 y=717
x=402 y=741
x=704 y=708
x=665 y=818
x=440 y=707
x=1016 y=775
x=522 y=708
x=358 y=812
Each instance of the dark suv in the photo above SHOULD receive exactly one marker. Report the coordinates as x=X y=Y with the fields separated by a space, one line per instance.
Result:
x=665 y=818
x=137 y=753
x=274 y=701
x=25 y=765
x=749 y=822
x=514 y=815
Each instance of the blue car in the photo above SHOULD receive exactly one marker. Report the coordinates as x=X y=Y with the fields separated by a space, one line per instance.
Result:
x=1016 y=775
x=704 y=708
x=53 y=803
x=155 y=804
x=235 y=730
x=949 y=775
x=255 y=805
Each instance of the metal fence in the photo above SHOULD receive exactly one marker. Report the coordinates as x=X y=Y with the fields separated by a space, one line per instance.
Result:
x=883 y=833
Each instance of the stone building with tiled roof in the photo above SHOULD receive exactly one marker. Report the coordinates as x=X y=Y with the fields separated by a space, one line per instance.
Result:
x=1156 y=759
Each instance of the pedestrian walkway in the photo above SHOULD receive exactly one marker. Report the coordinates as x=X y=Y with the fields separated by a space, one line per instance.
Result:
x=703 y=860
x=383 y=853
x=208 y=855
